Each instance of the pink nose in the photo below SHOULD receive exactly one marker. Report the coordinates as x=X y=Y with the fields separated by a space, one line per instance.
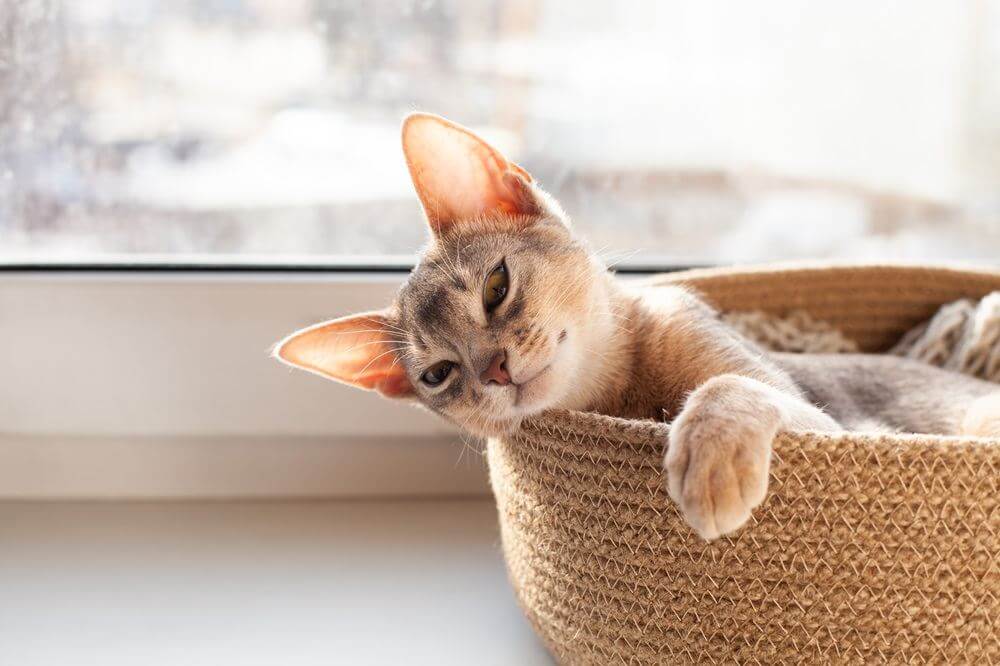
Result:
x=497 y=371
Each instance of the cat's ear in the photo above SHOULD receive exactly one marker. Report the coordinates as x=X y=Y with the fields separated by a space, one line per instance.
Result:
x=359 y=350
x=459 y=177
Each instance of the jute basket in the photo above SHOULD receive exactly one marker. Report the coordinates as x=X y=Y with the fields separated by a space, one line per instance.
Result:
x=869 y=548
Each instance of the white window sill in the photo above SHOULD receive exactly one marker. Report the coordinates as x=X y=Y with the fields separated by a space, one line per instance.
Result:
x=292 y=583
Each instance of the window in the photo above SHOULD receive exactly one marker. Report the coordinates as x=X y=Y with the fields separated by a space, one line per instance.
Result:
x=671 y=131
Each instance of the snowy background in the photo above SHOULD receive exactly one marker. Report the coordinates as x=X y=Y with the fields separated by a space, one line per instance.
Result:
x=679 y=131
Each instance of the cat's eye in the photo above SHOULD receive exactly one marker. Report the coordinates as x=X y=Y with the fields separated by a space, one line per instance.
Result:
x=437 y=373
x=495 y=289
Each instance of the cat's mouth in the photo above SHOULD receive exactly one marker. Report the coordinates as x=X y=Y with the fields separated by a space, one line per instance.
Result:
x=529 y=390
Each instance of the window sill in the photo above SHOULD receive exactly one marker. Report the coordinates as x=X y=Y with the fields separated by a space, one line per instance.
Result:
x=258 y=583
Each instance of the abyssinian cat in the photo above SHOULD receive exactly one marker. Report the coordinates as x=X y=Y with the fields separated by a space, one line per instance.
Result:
x=508 y=313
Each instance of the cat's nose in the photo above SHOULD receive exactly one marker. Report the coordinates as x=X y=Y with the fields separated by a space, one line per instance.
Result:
x=496 y=371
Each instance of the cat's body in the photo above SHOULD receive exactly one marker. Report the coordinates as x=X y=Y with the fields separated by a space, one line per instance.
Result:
x=676 y=343
x=508 y=313
x=881 y=392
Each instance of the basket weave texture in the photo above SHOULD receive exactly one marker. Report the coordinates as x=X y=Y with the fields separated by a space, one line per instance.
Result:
x=868 y=547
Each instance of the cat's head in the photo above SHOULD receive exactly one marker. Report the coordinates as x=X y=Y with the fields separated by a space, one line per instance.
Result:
x=501 y=314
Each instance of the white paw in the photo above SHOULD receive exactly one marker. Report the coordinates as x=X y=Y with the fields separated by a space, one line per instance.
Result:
x=717 y=464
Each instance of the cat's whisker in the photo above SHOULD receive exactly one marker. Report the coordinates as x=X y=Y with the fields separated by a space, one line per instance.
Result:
x=553 y=310
x=458 y=251
x=369 y=364
x=615 y=255
x=447 y=267
x=461 y=451
x=602 y=355
x=397 y=329
x=396 y=346
x=450 y=267
x=466 y=439
x=602 y=253
x=395 y=361
x=463 y=431
x=368 y=344
x=365 y=330
x=627 y=256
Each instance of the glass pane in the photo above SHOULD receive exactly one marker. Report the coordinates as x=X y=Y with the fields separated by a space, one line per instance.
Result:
x=686 y=131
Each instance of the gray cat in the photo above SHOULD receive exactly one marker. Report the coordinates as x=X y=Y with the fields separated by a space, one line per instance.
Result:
x=508 y=313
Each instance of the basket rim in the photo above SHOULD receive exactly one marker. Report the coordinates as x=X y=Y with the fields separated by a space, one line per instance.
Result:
x=833 y=268
x=632 y=432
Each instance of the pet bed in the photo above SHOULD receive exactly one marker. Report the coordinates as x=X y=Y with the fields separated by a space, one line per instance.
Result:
x=869 y=547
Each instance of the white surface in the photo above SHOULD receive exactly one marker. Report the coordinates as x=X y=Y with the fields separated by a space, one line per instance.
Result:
x=414 y=582
x=182 y=354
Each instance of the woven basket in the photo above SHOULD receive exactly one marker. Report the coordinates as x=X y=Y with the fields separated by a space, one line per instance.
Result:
x=868 y=547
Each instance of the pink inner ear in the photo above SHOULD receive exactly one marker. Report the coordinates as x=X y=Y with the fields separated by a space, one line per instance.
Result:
x=356 y=350
x=458 y=176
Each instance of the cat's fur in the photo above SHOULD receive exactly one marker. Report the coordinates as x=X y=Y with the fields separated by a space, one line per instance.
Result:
x=568 y=334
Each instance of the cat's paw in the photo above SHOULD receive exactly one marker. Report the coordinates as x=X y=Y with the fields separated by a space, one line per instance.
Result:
x=719 y=454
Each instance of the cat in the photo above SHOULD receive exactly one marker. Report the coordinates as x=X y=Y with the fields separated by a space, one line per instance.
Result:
x=509 y=313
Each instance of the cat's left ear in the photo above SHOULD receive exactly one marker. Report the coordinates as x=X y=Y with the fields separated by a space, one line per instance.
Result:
x=460 y=177
x=360 y=350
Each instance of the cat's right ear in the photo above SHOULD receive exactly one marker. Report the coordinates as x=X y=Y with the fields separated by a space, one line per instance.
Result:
x=359 y=350
x=460 y=177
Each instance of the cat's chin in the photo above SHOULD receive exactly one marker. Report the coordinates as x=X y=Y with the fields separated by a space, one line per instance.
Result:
x=501 y=428
x=537 y=394
x=510 y=424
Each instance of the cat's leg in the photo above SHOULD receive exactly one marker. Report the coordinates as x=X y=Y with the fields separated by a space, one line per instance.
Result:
x=719 y=451
x=983 y=417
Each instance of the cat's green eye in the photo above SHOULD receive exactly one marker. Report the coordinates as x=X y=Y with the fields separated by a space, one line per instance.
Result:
x=495 y=289
x=437 y=373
